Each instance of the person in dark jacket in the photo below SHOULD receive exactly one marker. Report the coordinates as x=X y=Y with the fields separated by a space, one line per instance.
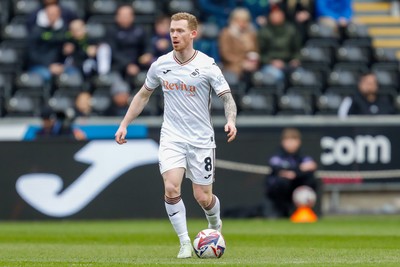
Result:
x=40 y=18
x=290 y=169
x=130 y=45
x=279 y=45
x=45 y=55
x=367 y=100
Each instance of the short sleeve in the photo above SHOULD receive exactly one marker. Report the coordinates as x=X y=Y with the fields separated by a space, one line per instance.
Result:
x=218 y=81
x=152 y=81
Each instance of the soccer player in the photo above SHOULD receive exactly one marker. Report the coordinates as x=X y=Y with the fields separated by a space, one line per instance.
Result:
x=187 y=143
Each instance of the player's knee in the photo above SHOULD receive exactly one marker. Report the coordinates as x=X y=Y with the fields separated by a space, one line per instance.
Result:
x=202 y=198
x=171 y=189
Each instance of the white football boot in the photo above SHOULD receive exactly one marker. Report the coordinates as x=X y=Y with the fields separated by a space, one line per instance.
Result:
x=185 y=251
x=218 y=228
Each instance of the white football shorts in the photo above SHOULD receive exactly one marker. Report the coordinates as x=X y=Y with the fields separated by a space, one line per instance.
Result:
x=199 y=163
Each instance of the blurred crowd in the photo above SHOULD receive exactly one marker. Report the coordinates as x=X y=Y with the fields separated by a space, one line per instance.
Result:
x=87 y=58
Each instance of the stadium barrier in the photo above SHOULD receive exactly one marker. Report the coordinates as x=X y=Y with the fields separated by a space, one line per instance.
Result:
x=98 y=179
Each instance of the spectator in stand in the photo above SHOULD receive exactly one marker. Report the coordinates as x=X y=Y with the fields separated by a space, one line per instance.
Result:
x=206 y=44
x=216 y=11
x=39 y=17
x=367 y=100
x=83 y=105
x=161 y=41
x=130 y=45
x=258 y=10
x=290 y=169
x=336 y=14
x=46 y=46
x=279 y=45
x=58 y=125
x=120 y=96
x=300 y=13
x=83 y=53
x=238 y=46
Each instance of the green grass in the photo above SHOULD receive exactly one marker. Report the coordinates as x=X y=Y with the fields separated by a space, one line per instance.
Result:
x=333 y=241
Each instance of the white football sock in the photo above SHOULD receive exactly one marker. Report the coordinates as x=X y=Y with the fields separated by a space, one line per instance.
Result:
x=177 y=216
x=213 y=213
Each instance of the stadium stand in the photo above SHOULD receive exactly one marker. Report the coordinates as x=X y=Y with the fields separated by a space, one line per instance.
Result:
x=330 y=62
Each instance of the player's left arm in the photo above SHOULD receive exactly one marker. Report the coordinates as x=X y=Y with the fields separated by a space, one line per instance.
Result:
x=230 y=114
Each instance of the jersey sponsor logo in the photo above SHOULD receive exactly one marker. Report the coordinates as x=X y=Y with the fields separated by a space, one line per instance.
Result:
x=179 y=87
x=108 y=161
x=195 y=73
x=166 y=71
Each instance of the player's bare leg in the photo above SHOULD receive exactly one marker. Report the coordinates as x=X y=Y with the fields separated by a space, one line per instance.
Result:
x=210 y=204
x=176 y=209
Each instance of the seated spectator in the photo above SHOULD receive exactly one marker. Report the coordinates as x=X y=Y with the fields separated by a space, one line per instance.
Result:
x=258 y=10
x=58 y=125
x=83 y=105
x=130 y=45
x=367 y=100
x=238 y=46
x=207 y=45
x=39 y=17
x=290 y=169
x=83 y=53
x=300 y=13
x=279 y=45
x=120 y=96
x=336 y=14
x=161 y=41
x=216 y=11
x=46 y=45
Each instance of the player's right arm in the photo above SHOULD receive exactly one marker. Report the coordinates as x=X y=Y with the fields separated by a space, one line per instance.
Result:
x=135 y=108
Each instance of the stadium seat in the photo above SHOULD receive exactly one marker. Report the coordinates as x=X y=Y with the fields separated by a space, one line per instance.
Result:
x=319 y=30
x=308 y=79
x=14 y=31
x=25 y=7
x=329 y=102
x=145 y=7
x=104 y=82
x=353 y=54
x=32 y=84
x=316 y=55
x=23 y=104
x=101 y=101
x=102 y=7
x=387 y=75
x=257 y=102
x=96 y=31
x=61 y=101
x=295 y=103
x=268 y=82
x=72 y=82
x=385 y=55
x=76 y=6
x=182 y=6
x=341 y=77
x=9 y=61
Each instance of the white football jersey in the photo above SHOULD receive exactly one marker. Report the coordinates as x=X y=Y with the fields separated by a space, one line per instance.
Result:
x=187 y=96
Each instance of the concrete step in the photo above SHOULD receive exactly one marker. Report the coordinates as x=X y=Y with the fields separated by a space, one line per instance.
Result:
x=386 y=43
x=384 y=31
x=371 y=6
x=378 y=20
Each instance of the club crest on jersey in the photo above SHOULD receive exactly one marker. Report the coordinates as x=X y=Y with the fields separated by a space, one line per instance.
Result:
x=195 y=73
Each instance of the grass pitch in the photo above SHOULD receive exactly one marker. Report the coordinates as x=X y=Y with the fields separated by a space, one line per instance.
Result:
x=333 y=241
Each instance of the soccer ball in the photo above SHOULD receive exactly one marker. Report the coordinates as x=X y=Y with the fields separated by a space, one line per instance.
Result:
x=304 y=196
x=209 y=243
